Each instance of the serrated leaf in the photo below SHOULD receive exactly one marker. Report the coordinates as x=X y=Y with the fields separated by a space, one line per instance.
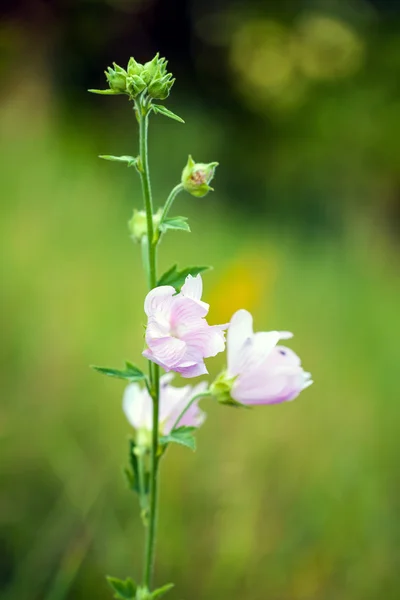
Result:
x=159 y=108
x=130 y=160
x=177 y=278
x=106 y=92
x=161 y=591
x=125 y=590
x=131 y=372
x=182 y=436
x=175 y=223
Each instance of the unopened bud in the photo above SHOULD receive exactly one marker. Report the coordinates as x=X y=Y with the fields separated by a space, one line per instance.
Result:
x=135 y=85
x=116 y=78
x=134 y=68
x=138 y=224
x=197 y=176
x=150 y=69
x=160 y=87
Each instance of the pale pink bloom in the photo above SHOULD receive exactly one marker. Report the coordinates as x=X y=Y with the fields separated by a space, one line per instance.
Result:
x=177 y=335
x=138 y=406
x=264 y=372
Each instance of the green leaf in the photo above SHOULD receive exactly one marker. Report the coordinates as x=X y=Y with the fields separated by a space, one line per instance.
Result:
x=123 y=589
x=177 y=278
x=159 y=108
x=182 y=436
x=174 y=223
x=161 y=591
x=131 y=373
x=130 y=160
x=106 y=92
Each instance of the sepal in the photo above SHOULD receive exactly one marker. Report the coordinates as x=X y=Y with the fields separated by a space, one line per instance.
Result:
x=221 y=390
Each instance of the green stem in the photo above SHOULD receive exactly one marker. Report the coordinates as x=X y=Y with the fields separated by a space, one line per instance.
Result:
x=154 y=372
x=178 y=188
x=205 y=394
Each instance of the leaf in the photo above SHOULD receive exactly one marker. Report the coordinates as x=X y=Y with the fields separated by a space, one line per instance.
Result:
x=182 y=435
x=159 y=108
x=130 y=160
x=161 y=591
x=106 y=92
x=123 y=589
x=131 y=373
x=177 y=278
x=174 y=223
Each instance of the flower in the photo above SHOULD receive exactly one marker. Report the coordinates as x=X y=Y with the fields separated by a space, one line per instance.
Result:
x=138 y=406
x=177 y=335
x=259 y=371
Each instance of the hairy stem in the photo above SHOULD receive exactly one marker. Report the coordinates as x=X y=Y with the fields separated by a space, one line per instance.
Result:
x=154 y=372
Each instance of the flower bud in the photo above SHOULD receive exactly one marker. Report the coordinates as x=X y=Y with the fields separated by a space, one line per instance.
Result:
x=134 y=68
x=138 y=224
x=150 y=69
x=116 y=78
x=160 y=87
x=197 y=176
x=135 y=85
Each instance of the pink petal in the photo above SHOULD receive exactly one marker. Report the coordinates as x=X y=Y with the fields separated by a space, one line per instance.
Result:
x=185 y=311
x=159 y=300
x=193 y=370
x=168 y=351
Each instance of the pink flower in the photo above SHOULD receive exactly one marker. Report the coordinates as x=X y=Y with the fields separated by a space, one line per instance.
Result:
x=177 y=335
x=263 y=372
x=138 y=406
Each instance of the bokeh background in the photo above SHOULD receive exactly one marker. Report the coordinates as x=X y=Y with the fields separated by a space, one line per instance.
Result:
x=299 y=102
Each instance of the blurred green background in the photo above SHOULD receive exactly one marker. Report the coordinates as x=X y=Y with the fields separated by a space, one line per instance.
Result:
x=300 y=104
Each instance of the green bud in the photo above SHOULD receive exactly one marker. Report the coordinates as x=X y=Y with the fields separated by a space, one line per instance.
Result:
x=160 y=87
x=138 y=224
x=221 y=389
x=134 y=68
x=162 y=66
x=150 y=69
x=197 y=176
x=116 y=78
x=135 y=85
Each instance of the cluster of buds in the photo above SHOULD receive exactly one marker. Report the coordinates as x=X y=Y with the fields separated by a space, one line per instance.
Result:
x=151 y=78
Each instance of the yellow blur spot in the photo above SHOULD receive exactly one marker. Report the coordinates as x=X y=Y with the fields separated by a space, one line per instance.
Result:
x=247 y=282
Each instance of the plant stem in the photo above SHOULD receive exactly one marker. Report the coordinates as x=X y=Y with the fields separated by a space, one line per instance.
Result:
x=178 y=188
x=154 y=371
x=205 y=394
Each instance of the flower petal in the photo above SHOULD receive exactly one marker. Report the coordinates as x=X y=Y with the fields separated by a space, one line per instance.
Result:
x=192 y=370
x=193 y=288
x=159 y=300
x=240 y=332
x=167 y=350
x=136 y=404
